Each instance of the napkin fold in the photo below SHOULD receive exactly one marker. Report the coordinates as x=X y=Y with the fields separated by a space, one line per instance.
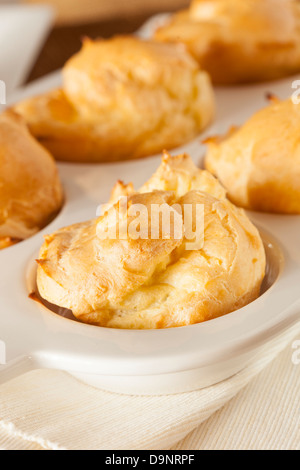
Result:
x=52 y=410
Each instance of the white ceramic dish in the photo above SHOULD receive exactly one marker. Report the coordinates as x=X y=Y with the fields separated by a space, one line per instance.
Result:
x=148 y=362
x=22 y=33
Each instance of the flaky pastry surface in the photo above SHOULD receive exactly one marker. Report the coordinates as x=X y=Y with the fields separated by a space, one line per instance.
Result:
x=259 y=163
x=30 y=189
x=121 y=99
x=239 y=41
x=156 y=283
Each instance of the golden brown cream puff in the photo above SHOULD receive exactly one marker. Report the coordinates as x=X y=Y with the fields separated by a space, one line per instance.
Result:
x=122 y=98
x=239 y=41
x=30 y=189
x=259 y=163
x=156 y=281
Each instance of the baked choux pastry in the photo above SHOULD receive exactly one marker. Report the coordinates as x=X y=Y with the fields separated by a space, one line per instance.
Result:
x=121 y=99
x=30 y=189
x=239 y=41
x=259 y=163
x=160 y=281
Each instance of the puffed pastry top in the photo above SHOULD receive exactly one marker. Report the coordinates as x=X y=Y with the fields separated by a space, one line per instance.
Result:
x=30 y=189
x=239 y=41
x=156 y=282
x=259 y=163
x=122 y=98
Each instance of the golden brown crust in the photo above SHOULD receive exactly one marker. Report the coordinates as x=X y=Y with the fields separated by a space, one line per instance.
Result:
x=259 y=163
x=30 y=190
x=156 y=283
x=179 y=174
x=122 y=98
x=6 y=242
x=239 y=41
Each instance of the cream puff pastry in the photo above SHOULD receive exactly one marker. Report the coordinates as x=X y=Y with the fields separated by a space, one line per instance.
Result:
x=30 y=189
x=259 y=163
x=156 y=282
x=122 y=98
x=239 y=41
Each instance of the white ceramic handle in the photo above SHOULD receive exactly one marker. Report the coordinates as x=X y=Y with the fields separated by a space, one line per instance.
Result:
x=16 y=368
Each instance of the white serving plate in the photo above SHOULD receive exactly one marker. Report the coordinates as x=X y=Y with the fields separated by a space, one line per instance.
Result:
x=158 y=361
x=23 y=29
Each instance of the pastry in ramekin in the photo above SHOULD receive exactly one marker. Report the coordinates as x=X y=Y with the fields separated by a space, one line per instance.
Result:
x=239 y=41
x=30 y=190
x=121 y=99
x=166 y=278
x=259 y=163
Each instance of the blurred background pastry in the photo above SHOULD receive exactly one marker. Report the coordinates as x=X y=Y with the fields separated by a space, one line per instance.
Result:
x=156 y=282
x=259 y=163
x=122 y=98
x=239 y=41
x=30 y=190
x=75 y=19
x=85 y=11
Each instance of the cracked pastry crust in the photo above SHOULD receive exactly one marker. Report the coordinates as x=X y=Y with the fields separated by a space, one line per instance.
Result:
x=30 y=189
x=239 y=41
x=121 y=99
x=259 y=163
x=148 y=284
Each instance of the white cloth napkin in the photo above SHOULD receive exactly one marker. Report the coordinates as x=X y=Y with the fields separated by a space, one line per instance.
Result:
x=52 y=410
